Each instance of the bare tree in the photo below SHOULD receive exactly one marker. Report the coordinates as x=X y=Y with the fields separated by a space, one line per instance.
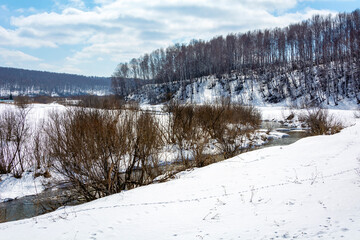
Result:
x=322 y=42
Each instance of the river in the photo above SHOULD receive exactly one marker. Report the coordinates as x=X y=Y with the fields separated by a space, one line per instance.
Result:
x=50 y=200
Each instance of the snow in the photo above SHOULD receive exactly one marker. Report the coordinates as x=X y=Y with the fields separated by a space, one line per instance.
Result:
x=307 y=190
x=346 y=117
x=37 y=112
x=250 y=90
x=12 y=188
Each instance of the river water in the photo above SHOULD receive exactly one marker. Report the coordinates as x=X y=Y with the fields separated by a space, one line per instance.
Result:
x=34 y=205
x=50 y=200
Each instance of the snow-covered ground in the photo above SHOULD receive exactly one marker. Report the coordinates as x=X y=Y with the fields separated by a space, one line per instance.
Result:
x=307 y=190
x=37 y=112
x=11 y=187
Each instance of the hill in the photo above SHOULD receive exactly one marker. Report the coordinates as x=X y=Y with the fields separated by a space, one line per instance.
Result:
x=314 y=61
x=27 y=82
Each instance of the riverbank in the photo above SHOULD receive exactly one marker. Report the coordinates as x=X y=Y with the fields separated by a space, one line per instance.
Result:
x=27 y=197
x=307 y=190
x=13 y=188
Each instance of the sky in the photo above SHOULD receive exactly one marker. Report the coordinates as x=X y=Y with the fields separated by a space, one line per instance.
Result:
x=91 y=37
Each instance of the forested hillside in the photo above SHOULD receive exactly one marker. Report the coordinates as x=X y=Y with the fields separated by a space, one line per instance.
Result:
x=316 y=60
x=26 y=82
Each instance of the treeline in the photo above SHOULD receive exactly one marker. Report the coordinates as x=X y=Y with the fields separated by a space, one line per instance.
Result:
x=327 y=42
x=28 y=82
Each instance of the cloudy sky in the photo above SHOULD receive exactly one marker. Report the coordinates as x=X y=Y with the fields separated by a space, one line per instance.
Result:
x=91 y=37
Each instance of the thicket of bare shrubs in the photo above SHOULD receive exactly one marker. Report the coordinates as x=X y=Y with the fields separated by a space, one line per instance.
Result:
x=14 y=136
x=100 y=102
x=184 y=132
x=145 y=141
x=230 y=125
x=102 y=152
x=320 y=122
x=22 y=101
x=226 y=126
x=85 y=146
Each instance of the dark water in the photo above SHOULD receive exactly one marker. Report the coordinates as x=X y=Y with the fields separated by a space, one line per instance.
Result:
x=34 y=205
x=295 y=134
x=293 y=137
x=31 y=206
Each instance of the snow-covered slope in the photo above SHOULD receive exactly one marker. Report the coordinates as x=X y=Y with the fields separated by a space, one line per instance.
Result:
x=307 y=190
x=264 y=90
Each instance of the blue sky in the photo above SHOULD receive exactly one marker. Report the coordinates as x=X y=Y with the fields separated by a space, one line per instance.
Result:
x=91 y=37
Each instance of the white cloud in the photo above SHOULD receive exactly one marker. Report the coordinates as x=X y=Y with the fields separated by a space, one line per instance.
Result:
x=15 y=58
x=121 y=29
x=13 y=38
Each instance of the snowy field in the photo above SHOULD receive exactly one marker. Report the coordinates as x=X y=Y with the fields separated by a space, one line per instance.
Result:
x=307 y=190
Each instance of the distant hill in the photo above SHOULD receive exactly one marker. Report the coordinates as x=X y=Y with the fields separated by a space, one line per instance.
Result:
x=32 y=83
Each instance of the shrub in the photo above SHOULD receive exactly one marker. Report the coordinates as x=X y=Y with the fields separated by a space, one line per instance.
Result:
x=44 y=99
x=87 y=147
x=101 y=102
x=102 y=152
x=14 y=136
x=230 y=125
x=181 y=128
x=320 y=122
x=22 y=101
x=39 y=151
x=193 y=127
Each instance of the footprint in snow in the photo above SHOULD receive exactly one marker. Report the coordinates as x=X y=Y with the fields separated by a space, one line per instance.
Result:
x=286 y=235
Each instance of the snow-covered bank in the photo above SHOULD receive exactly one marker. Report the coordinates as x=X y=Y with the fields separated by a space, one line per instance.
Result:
x=307 y=190
x=346 y=117
x=11 y=187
